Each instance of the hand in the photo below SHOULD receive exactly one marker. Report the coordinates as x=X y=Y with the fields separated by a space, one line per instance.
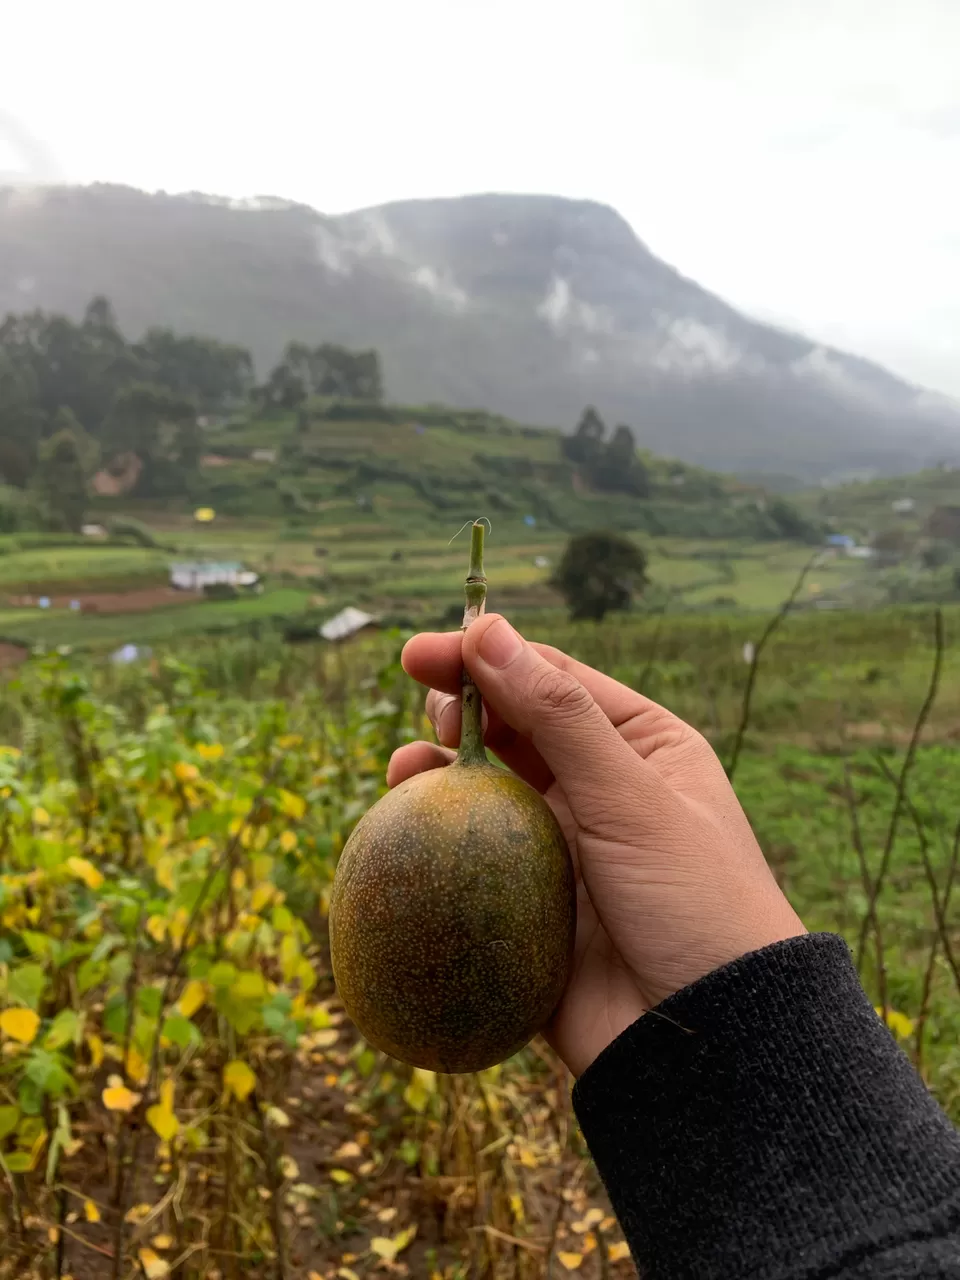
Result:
x=671 y=881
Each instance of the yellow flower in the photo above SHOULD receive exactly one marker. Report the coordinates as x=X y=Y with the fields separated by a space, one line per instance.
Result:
x=209 y=750
x=185 y=772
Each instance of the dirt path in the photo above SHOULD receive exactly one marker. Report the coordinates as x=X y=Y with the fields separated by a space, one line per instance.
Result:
x=115 y=601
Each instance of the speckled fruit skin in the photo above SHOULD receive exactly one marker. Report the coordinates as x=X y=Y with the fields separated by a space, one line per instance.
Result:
x=452 y=918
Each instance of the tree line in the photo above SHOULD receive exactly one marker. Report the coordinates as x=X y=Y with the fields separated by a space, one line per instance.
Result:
x=77 y=395
x=611 y=465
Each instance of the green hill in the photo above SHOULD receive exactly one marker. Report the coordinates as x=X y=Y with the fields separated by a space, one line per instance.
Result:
x=402 y=469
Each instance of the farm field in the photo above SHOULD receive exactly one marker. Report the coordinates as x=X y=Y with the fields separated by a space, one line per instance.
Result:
x=420 y=583
x=181 y=1092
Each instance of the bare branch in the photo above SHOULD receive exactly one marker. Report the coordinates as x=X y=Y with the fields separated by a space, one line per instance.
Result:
x=902 y=782
x=771 y=627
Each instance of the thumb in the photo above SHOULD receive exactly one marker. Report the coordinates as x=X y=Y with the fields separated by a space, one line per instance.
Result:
x=556 y=712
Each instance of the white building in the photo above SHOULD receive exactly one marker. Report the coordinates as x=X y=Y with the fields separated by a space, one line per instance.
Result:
x=348 y=622
x=195 y=575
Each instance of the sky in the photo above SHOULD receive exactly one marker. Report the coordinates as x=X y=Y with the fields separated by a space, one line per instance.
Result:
x=799 y=157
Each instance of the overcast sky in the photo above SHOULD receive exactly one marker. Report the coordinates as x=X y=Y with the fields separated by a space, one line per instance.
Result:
x=799 y=157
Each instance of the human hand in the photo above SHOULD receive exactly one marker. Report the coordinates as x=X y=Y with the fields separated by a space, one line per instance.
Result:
x=671 y=881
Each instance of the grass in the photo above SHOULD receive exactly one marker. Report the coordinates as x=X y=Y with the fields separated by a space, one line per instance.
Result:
x=61 y=627
x=56 y=570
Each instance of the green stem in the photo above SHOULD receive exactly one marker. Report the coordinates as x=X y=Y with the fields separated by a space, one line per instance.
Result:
x=475 y=590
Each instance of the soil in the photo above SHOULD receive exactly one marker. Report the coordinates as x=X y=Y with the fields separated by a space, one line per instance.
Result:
x=11 y=655
x=116 y=601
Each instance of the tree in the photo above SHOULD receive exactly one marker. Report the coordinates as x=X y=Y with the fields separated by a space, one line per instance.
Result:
x=618 y=469
x=61 y=479
x=214 y=374
x=21 y=421
x=600 y=572
x=160 y=427
x=944 y=523
x=791 y=523
x=585 y=446
x=283 y=389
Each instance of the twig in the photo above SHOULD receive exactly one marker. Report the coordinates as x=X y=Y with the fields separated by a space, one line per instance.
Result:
x=939 y=904
x=119 y=1185
x=867 y=883
x=61 y=1236
x=557 y=1219
x=603 y=1252
x=275 y=1188
x=952 y=866
x=771 y=627
x=902 y=783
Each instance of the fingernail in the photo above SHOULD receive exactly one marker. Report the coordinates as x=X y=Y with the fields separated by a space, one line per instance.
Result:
x=500 y=644
x=444 y=726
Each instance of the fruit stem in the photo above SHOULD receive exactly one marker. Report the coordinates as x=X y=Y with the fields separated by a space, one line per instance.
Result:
x=475 y=590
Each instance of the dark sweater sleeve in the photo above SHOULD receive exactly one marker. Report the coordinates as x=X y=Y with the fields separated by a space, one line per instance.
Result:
x=763 y=1123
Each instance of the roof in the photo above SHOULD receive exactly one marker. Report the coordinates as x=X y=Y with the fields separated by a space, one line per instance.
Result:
x=346 y=623
x=206 y=566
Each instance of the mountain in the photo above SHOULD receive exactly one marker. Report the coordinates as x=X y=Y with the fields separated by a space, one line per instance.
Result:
x=532 y=306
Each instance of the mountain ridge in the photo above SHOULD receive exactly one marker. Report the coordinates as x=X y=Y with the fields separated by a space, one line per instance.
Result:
x=532 y=306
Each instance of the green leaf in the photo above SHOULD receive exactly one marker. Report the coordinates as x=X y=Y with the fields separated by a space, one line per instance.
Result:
x=90 y=974
x=409 y=1151
x=249 y=986
x=48 y=1072
x=180 y=1031
x=115 y=1017
x=120 y=968
x=38 y=944
x=282 y=919
x=366 y=1063
x=25 y=985
x=242 y=1015
x=149 y=1000
x=30 y=1097
x=18 y=1161
x=223 y=974
x=8 y=1120
x=64 y=1029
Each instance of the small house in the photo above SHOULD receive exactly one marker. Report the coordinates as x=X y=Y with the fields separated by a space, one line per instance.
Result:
x=196 y=575
x=347 y=623
x=264 y=455
x=903 y=506
x=841 y=541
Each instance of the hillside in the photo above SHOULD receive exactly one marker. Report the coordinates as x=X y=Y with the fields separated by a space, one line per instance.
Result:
x=530 y=305
x=427 y=467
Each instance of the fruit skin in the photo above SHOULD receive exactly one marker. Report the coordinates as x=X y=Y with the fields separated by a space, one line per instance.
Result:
x=452 y=918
